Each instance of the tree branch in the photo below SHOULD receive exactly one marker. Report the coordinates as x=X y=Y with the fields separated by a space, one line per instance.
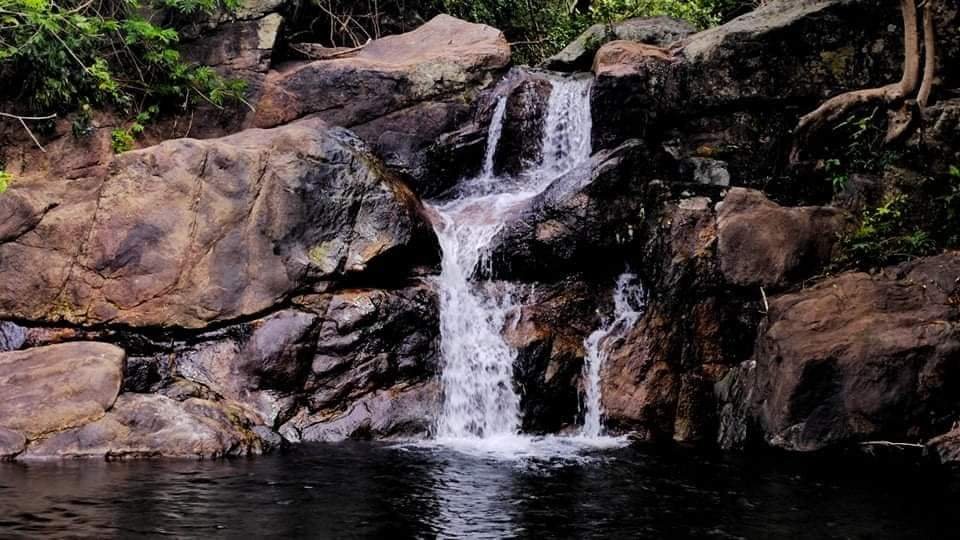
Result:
x=23 y=122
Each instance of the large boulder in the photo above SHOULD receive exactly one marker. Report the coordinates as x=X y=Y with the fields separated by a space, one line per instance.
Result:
x=578 y=55
x=49 y=389
x=143 y=425
x=527 y=94
x=400 y=93
x=189 y=232
x=760 y=243
x=859 y=357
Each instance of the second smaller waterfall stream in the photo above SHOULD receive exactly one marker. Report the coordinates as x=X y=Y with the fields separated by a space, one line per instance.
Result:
x=628 y=304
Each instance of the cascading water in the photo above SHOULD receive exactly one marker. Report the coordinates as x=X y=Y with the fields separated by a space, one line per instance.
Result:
x=479 y=397
x=628 y=304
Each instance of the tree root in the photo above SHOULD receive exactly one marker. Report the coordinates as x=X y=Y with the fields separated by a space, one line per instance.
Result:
x=930 y=50
x=836 y=107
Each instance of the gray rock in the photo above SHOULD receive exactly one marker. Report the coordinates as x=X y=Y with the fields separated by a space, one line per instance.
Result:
x=141 y=426
x=709 y=172
x=12 y=443
x=581 y=221
x=403 y=412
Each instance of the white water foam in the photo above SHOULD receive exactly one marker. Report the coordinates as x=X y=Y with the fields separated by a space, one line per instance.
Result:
x=481 y=409
x=628 y=305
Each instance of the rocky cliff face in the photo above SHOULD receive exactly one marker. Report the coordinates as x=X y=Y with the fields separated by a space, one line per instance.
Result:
x=272 y=281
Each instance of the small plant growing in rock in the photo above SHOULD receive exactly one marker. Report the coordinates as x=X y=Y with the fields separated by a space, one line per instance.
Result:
x=5 y=179
x=883 y=237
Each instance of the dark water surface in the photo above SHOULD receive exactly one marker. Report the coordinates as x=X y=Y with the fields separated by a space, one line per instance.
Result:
x=360 y=490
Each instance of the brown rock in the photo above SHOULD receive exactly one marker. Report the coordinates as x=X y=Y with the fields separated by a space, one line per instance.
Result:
x=143 y=425
x=763 y=244
x=188 y=232
x=621 y=58
x=861 y=357
x=49 y=389
x=549 y=336
x=400 y=94
x=947 y=446
x=443 y=57
x=579 y=55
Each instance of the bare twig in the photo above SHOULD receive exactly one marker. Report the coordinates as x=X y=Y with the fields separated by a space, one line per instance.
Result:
x=23 y=122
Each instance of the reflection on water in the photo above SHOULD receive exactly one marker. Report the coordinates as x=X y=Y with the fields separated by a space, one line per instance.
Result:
x=359 y=490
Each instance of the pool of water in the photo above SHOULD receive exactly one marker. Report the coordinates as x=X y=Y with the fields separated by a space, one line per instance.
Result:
x=368 y=490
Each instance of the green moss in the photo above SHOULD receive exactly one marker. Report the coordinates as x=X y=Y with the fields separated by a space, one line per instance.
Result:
x=318 y=254
x=5 y=179
x=838 y=61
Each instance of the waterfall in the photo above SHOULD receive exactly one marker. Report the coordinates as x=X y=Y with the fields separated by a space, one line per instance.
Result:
x=477 y=378
x=493 y=136
x=628 y=304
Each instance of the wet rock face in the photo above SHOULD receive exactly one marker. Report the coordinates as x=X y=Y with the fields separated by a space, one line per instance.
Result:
x=580 y=219
x=703 y=262
x=235 y=226
x=373 y=347
x=549 y=335
x=527 y=93
x=12 y=443
x=860 y=357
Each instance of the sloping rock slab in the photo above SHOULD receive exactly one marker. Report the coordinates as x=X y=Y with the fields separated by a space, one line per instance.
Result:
x=577 y=221
x=143 y=425
x=53 y=388
x=188 y=232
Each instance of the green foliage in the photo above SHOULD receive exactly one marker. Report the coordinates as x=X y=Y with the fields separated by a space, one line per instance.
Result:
x=75 y=54
x=700 y=13
x=837 y=174
x=5 y=180
x=540 y=29
x=951 y=205
x=884 y=236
